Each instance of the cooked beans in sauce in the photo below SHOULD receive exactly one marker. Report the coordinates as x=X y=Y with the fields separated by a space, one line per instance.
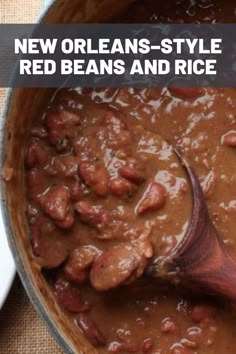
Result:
x=106 y=193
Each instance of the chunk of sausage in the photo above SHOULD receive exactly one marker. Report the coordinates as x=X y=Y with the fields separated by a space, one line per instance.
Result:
x=69 y=296
x=91 y=330
x=120 y=187
x=154 y=198
x=191 y=93
x=56 y=204
x=47 y=243
x=79 y=263
x=95 y=216
x=229 y=139
x=131 y=174
x=116 y=266
x=95 y=176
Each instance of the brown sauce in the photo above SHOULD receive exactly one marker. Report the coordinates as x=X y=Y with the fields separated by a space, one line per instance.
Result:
x=106 y=193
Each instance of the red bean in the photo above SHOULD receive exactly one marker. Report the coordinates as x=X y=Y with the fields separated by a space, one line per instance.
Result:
x=37 y=154
x=186 y=92
x=144 y=246
x=76 y=191
x=168 y=325
x=47 y=243
x=39 y=132
x=71 y=164
x=91 y=330
x=61 y=126
x=132 y=347
x=189 y=343
x=119 y=134
x=131 y=174
x=62 y=120
x=194 y=334
x=95 y=216
x=147 y=345
x=120 y=187
x=180 y=349
x=36 y=234
x=79 y=263
x=115 y=347
x=154 y=198
x=57 y=138
x=56 y=203
x=95 y=176
x=69 y=296
x=36 y=182
x=115 y=266
x=201 y=312
x=229 y=139
x=68 y=221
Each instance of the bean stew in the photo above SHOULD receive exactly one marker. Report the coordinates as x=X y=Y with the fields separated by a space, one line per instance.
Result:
x=106 y=192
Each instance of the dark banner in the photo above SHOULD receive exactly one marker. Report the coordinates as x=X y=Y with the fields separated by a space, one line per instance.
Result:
x=118 y=55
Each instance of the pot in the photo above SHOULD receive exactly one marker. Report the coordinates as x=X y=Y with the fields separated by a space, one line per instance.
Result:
x=21 y=108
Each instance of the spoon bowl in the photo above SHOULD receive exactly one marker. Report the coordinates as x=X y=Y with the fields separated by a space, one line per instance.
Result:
x=201 y=260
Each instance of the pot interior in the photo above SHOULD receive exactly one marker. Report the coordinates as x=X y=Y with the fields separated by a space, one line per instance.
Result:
x=23 y=106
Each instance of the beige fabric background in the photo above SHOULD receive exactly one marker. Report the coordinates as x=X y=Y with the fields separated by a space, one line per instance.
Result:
x=21 y=329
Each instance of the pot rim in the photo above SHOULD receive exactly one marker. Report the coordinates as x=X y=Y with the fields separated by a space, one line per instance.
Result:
x=30 y=289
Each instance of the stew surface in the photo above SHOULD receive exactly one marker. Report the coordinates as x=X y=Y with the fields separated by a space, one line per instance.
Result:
x=106 y=193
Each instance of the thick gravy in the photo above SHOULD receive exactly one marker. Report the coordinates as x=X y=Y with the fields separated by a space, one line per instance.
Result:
x=106 y=193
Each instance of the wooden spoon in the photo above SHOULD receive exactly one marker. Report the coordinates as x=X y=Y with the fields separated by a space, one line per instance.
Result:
x=201 y=259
